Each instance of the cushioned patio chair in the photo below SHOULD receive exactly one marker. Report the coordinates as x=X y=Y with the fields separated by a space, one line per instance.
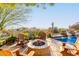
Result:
x=16 y=51
x=72 y=51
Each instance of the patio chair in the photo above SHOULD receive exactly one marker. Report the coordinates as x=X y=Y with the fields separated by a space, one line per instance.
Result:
x=70 y=51
x=65 y=52
x=10 y=53
x=21 y=40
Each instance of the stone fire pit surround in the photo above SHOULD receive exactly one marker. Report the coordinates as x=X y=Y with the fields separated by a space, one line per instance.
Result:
x=41 y=50
x=30 y=44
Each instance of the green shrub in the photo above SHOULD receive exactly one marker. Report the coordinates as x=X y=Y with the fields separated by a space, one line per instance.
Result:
x=26 y=36
x=2 y=42
x=32 y=37
x=11 y=39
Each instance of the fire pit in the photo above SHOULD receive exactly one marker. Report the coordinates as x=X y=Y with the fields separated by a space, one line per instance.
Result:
x=38 y=43
x=40 y=47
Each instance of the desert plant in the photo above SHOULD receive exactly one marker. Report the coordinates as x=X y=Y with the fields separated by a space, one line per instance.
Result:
x=2 y=42
x=62 y=29
x=42 y=35
x=56 y=30
x=12 y=16
x=9 y=14
x=32 y=36
x=11 y=39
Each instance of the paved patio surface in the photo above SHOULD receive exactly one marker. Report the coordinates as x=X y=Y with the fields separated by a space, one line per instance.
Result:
x=55 y=47
x=12 y=47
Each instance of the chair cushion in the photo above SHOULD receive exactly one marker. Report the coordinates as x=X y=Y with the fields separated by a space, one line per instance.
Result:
x=5 y=53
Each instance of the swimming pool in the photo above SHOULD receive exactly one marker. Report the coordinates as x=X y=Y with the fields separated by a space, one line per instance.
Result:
x=70 y=40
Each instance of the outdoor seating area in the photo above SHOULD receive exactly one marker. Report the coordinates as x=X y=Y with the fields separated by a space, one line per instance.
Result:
x=38 y=44
x=39 y=47
x=38 y=29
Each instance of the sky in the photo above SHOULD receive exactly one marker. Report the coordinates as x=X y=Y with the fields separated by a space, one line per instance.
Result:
x=62 y=14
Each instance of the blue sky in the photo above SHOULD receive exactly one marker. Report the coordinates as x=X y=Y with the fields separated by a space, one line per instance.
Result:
x=62 y=14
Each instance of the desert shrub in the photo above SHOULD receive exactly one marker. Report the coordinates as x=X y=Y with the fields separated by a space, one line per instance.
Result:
x=26 y=36
x=56 y=30
x=42 y=35
x=11 y=39
x=2 y=42
x=62 y=30
x=31 y=35
x=34 y=35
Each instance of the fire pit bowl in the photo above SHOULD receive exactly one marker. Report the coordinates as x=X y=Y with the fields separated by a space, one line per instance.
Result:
x=40 y=47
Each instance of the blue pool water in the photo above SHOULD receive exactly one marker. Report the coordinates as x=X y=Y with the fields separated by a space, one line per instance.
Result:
x=70 y=40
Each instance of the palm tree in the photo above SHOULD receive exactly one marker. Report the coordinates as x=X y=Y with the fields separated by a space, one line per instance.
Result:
x=10 y=16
